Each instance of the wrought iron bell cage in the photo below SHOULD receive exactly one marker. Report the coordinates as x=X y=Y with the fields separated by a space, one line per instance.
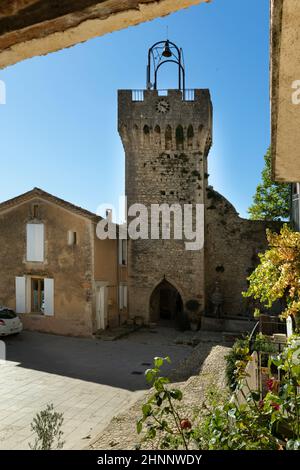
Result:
x=161 y=53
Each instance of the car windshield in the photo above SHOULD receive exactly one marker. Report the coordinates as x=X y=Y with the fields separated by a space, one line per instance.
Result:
x=6 y=314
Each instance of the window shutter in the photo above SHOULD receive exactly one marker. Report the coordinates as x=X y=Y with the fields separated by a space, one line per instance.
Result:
x=35 y=242
x=49 y=297
x=20 y=294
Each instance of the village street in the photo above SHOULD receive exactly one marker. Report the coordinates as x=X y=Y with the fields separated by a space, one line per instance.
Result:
x=88 y=380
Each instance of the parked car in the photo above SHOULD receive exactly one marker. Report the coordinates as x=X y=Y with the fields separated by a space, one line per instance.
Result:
x=10 y=323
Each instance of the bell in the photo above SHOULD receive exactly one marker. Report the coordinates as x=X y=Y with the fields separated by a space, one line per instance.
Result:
x=167 y=51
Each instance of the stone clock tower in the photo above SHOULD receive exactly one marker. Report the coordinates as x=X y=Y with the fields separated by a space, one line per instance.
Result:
x=166 y=136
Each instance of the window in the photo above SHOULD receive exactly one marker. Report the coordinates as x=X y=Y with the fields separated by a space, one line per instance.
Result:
x=72 y=238
x=123 y=252
x=122 y=297
x=179 y=138
x=35 y=211
x=190 y=136
x=168 y=138
x=146 y=135
x=35 y=242
x=37 y=295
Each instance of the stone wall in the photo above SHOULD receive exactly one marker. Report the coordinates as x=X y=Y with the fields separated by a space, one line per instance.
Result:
x=232 y=245
x=160 y=168
x=166 y=162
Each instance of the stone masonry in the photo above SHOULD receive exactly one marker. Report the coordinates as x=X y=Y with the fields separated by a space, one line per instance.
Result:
x=166 y=162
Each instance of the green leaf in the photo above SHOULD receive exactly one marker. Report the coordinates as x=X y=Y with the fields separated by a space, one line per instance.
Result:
x=151 y=433
x=147 y=410
x=176 y=394
x=158 y=362
x=139 y=426
x=150 y=375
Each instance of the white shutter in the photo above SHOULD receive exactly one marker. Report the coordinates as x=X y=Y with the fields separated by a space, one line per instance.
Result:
x=35 y=242
x=125 y=296
x=49 y=297
x=20 y=294
x=289 y=327
x=121 y=299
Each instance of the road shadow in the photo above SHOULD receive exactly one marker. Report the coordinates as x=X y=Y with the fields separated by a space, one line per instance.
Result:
x=120 y=363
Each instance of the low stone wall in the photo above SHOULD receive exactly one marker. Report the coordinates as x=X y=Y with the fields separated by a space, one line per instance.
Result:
x=59 y=326
x=227 y=325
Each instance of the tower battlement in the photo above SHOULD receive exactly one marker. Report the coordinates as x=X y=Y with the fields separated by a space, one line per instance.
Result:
x=191 y=94
x=152 y=114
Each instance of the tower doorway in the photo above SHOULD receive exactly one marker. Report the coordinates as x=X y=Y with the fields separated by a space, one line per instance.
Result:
x=166 y=306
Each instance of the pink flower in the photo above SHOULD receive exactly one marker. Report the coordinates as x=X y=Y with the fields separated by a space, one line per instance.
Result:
x=275 y=406
x=270 y=384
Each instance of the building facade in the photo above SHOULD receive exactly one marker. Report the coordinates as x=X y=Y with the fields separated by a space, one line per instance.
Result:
x=55 y=272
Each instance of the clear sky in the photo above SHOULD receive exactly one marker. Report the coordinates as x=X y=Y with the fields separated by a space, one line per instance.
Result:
x=59 y=126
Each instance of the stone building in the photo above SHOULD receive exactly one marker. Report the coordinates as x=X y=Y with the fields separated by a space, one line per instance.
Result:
x=167 y=137
x=54 y=271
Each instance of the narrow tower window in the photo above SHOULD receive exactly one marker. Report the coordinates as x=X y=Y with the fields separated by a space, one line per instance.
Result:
x=136 y=132
x=157 y=136
x=179 y=138
x=146 y=135
x=190 y=136
x=200 y=129
x=168 y=138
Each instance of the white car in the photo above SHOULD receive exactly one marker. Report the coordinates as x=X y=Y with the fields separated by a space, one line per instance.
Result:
x=10 y=323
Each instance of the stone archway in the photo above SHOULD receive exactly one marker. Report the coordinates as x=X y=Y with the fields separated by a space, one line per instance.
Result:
x=166 y=305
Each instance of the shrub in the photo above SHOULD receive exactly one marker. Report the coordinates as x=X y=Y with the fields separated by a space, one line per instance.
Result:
x=277 y=275
x=269 y=424
x=47 y=426
x=160 y=415
x=239 y=352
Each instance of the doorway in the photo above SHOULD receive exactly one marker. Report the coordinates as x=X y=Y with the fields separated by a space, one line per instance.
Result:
x=101 y=307
x=166 y=306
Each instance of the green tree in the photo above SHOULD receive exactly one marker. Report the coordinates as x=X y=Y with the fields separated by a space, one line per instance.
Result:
x=271 y=200
x=278 y=273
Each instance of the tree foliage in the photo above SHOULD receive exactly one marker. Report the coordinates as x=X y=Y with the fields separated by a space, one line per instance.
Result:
x=278 y=274
x=271 y=200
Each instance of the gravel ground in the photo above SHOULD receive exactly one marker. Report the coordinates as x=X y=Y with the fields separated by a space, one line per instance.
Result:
x=204 y=366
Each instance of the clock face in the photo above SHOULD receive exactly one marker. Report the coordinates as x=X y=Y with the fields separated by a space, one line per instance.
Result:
x=163 y=106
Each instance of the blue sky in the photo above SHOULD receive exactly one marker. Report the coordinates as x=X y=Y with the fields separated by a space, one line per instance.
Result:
x=59 y=126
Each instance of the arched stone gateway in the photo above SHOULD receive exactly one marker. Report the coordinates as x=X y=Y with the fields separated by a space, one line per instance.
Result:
x=166 y=304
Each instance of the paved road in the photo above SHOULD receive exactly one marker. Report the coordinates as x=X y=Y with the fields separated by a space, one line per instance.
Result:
x=88 y=380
